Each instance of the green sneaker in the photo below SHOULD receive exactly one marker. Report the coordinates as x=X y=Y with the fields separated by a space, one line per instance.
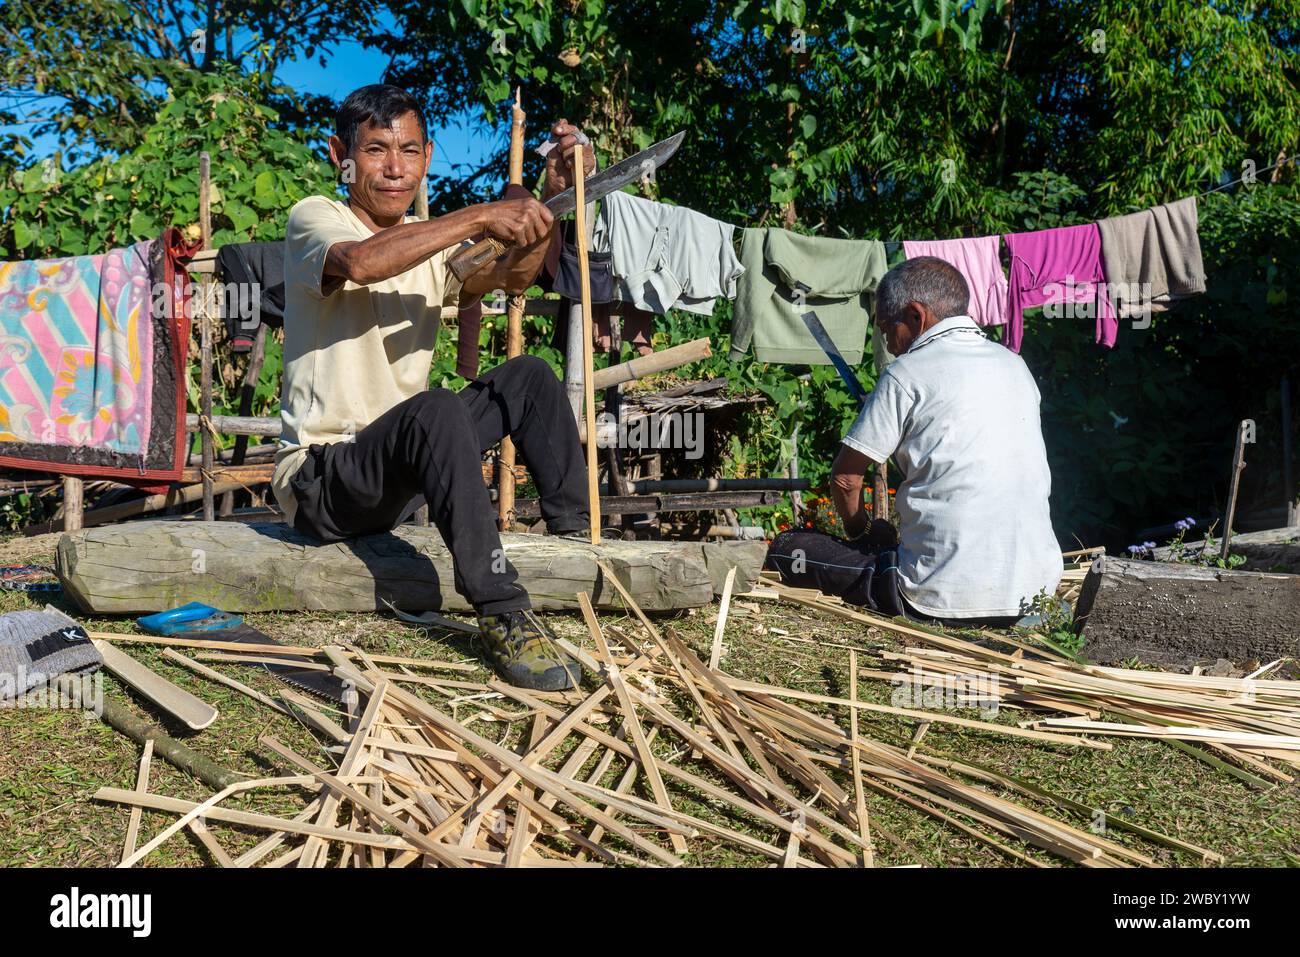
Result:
x=524 y=652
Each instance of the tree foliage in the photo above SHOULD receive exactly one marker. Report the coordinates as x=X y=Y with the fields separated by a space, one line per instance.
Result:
x=895 y=119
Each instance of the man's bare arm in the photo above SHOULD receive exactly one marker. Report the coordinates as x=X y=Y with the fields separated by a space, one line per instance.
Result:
x=848 y=476
x=524 y=223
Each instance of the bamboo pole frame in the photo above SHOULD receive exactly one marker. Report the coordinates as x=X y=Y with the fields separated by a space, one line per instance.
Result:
x=514 y=330
x=588 y=358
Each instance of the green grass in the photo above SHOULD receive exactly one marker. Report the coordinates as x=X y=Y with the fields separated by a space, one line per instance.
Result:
x=52 y=762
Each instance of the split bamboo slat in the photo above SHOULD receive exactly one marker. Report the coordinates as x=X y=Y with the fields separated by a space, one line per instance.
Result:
x=670 y=755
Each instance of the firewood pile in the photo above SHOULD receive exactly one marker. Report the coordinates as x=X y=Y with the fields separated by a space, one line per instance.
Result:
x=670 y=752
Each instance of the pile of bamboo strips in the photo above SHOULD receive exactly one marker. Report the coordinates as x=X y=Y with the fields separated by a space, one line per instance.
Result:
x=1237 y=725
x=669 y=750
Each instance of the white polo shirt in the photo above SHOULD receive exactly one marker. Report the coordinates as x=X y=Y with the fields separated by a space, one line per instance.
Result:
x=959 y=414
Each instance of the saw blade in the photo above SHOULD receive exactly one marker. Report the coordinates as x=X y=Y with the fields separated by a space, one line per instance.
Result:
x=321 y=684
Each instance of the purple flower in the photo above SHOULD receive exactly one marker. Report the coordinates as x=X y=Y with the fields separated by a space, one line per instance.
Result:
x=1148 y=544
x=1134 y=549
x=1182 y=525
x=1190 y=521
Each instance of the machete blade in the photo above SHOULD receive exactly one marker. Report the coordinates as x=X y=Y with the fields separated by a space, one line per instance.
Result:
x=619 y=175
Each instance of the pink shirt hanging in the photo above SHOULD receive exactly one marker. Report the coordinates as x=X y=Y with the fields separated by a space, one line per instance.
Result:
x=1058 y=266
x=977 y=260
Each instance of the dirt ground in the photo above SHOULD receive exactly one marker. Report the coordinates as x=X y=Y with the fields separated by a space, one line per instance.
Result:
x=52 y=762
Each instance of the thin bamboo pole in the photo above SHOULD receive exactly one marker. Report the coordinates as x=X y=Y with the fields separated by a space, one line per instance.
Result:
x=588 y=360
x=205 y=341
x=514 y=333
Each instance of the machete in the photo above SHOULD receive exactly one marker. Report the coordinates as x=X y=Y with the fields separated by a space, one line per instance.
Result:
x=471 y=260
x=824 y=340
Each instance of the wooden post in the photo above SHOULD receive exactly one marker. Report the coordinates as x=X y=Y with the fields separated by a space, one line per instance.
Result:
x=514 y=334
x=1288 y=470
x=792 y=468
x=573 y=352
x=73 y=503
x=588 y=359
x=205 y=340
x=421 y=515
x=880 y=492
x=1237 y=465
x=246 y=392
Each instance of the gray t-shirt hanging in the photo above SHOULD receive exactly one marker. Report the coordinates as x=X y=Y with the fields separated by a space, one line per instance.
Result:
x=666 y=256
x=959 y=414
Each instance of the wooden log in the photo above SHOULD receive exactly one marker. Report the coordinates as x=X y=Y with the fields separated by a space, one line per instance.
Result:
x=652 y=504
x=153 y=565
x=1273 y=550
x=647 y=486
x=661 y=361
x=237 y=425
x=1175 y=614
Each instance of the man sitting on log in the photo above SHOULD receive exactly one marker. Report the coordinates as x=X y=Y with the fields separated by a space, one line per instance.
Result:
x=363 y=435
x=959 y=415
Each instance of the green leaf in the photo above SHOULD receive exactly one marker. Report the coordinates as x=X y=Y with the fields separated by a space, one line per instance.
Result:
x=23 y=235
x=264 y=189
x=241 y=217
x=143 y=225
x=808 y=124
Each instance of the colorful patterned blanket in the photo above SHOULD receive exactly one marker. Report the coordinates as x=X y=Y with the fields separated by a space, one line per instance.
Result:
x=89 y=350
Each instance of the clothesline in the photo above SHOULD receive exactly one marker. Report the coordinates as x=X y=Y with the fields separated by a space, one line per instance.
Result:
x=1242 y=179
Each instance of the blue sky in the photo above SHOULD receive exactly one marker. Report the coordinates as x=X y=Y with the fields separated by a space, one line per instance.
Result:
x=349 y=65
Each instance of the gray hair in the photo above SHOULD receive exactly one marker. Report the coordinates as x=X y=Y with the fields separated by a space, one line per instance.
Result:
x=927 y=280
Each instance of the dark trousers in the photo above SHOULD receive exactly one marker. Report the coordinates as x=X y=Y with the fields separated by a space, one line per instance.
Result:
x=432 y=445
x=855 y=572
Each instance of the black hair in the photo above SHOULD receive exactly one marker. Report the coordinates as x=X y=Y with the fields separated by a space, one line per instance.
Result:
x=924 y=279
x=378 y=103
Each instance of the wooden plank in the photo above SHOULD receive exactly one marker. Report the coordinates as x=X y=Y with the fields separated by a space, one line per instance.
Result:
x=860 y=804
x=715 y=652
x=194 y=712
x=264 y=822
x=141 y=785
x=213 y=675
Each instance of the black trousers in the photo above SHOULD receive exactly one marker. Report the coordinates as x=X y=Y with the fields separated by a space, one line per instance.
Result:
x=432 y=445
x=855 y=572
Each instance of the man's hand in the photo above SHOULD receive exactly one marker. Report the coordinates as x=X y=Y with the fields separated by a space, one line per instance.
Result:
x=559 y=164
x=517 y=222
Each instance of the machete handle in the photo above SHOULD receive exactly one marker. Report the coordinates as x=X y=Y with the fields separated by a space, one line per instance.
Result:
x=469 y=261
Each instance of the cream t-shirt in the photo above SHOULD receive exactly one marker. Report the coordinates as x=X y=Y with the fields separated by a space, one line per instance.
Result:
x=353 y=354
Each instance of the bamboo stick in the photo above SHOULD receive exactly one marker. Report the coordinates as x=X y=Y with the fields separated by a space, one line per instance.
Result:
x=588 y=361
x=514 y=332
